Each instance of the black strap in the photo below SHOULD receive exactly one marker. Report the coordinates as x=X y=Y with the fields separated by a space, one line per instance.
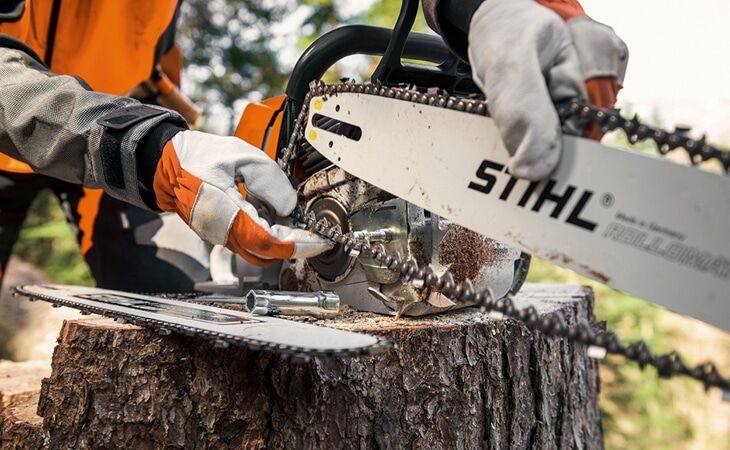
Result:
x=116 y=125
x=167 y=40
x=11 y=10
x=123 y=118
x=459 y=12
x=52 y=26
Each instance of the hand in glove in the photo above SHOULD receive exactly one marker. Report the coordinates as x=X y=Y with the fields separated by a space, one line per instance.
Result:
x=196 y=178
x=526 y=59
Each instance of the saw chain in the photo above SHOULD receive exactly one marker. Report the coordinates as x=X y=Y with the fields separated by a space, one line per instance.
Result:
x=219 y=338
x=599 y=342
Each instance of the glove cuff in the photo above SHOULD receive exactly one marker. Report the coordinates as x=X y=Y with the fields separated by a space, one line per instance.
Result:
x=123 y=132
x=601 y=52
x=567 y=9
x=149 y=152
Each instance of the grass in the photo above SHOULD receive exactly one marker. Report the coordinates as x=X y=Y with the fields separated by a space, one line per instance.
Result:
x=48 y=242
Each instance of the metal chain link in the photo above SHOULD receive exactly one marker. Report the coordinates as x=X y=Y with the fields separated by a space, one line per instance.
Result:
x=599 y=342
x=698 y=150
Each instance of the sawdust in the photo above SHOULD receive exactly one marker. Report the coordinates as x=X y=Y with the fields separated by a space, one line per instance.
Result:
x=545 y=298
x=416 y=248
x=240 y=307
x=353 y=320
x=288 y=280
x=466 y=252
x=299 y=278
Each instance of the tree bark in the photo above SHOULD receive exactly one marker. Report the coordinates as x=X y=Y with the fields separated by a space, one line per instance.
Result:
x=455 y=381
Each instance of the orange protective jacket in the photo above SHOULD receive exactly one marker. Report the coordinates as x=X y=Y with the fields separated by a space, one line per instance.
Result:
x=112 y=45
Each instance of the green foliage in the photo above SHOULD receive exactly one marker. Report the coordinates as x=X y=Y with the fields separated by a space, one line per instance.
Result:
x=48 y=242
x=233 y=48
x=228 y=52
x=384 y=12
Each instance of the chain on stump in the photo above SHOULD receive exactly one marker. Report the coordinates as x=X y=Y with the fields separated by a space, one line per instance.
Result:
x=599 y=342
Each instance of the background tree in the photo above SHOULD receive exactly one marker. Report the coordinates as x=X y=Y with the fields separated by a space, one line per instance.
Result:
x=243 y=50
x=233 y=48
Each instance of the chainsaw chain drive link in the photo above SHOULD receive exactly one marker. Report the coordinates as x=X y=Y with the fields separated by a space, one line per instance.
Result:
x=599 y=342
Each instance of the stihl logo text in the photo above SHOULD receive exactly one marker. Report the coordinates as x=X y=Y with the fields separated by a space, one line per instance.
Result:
x=492 y=173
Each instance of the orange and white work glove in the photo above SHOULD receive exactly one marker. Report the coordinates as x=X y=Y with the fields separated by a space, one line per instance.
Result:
x=526 y=58
x=196 y=177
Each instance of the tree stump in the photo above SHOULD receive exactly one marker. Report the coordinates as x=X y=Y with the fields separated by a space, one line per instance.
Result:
x=458 y=381
x=20 y=383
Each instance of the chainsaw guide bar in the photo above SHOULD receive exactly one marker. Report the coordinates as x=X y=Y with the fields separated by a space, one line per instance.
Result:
x=224 y=327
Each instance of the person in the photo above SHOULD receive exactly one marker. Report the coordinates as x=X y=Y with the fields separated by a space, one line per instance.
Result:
x=136 y=161
x=526 y=55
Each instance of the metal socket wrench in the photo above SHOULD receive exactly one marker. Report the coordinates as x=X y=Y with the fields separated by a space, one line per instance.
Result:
x=322 y=304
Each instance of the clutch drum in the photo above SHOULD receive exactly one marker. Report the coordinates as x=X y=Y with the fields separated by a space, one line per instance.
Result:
x=332 y=264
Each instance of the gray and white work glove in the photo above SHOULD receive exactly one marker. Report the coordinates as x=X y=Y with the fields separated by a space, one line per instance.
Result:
x=196 y=177
x=526 y=58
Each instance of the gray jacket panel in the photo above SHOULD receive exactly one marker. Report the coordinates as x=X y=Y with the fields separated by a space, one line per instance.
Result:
x=50 y=122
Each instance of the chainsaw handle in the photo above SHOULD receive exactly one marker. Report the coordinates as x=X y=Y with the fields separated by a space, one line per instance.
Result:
x=331 y=47
x=392 y=57
x=349 y=40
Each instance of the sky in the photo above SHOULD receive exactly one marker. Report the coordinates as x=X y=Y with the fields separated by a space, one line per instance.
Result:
x=679 y=63
x=678 y=49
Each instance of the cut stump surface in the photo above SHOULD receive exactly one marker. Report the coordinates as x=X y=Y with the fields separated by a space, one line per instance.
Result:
x=20 y=384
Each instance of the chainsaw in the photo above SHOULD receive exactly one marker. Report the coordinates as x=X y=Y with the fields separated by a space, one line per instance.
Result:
x=406 y=175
